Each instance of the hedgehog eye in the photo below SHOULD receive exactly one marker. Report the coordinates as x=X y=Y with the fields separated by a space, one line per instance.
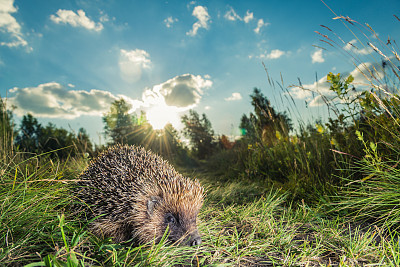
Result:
x=170 y=219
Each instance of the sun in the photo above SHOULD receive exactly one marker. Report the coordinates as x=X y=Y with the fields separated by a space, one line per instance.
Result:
x=159 y=116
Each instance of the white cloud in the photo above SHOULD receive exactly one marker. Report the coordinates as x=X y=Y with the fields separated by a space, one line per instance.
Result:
x=310 y=91
x=184 y=91
x=350 y=46
x=232 y=15
x=321 y=100
x=276 y=53
x=164 y=102
x=52 y=100
x=169 y=21
x=249 y=16
x=260 y=24
x=365 y=76
x=10 y=26
x=132 y=63
x=317 y=56
x=234 y=97
x=207 y=107
x=367 y=72
x=78 y=19
x=203 y=17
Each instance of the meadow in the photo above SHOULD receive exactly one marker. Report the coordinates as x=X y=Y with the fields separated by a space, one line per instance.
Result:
x=326 y=194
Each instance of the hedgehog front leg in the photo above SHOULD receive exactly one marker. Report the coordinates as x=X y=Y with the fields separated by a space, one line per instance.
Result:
x=119 y=231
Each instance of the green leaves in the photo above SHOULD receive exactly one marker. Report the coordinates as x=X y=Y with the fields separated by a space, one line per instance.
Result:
x=338 y=86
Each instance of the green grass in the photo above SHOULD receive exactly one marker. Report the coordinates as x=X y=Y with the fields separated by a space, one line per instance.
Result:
x=36 y=228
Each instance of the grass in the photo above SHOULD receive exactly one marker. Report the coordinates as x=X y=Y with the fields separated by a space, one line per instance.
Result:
x=264 y=229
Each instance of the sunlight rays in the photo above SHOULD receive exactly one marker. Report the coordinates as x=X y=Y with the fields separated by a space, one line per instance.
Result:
x=161 y=115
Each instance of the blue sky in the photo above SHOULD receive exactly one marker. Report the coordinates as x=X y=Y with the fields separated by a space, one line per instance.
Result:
x=66 y=61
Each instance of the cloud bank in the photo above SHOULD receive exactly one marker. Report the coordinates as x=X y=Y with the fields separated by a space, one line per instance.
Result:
x=53 y=100
x=78 y=19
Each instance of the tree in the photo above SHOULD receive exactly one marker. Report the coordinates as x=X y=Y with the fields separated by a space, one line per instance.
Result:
x=7 y=130
x=168 y=140
x=84 y=145
x=30 y=132
x=248 y=127
x=225 y=143
x=265 y=123
x=57 y=139
x=35 y=138
x=118 y=123
x=200 y=133
x=142 y=132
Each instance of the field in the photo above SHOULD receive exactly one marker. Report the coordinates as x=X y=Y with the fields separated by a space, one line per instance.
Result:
x=326 y=194
x=263 y=229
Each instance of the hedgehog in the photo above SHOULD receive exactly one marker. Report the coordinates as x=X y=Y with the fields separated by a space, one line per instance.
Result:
x=132 y=194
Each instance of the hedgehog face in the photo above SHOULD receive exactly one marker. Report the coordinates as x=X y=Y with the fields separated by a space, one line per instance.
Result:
x=182 y=230
x=180 y=223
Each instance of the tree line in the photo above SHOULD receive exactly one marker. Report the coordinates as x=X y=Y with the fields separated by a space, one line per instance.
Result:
x=122 y=127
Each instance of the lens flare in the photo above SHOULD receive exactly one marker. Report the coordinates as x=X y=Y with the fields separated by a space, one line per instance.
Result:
x=159 y=116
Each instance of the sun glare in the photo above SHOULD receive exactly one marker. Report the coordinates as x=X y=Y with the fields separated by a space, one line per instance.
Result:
x=159 y=116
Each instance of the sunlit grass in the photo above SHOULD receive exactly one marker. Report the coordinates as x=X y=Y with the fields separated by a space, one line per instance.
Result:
x=37 y=229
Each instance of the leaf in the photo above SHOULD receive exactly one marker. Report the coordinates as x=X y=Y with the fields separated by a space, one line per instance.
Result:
x=35 y=264
x=349 y=79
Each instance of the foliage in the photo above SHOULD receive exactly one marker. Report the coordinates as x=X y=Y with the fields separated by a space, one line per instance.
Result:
x=374 y=195
x=30 y=134
x=265 y=124
x=123 y=127
x=34 y=138
x=268 y=153
x=7 y=129
x=370 y=190
x=200 y=133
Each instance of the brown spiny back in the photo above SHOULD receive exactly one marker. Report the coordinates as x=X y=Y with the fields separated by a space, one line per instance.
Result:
x=118 y=185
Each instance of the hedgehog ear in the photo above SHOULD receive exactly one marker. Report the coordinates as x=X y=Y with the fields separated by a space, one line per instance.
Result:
x=151 y=203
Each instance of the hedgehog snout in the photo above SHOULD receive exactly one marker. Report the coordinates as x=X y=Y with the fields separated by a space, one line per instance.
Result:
x=194 y=239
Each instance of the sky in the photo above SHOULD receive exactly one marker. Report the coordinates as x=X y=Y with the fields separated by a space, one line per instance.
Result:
x=66 y=61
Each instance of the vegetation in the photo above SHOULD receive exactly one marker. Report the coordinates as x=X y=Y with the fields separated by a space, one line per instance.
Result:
x=132 y=129
x=324 y=195
x=200 y=134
